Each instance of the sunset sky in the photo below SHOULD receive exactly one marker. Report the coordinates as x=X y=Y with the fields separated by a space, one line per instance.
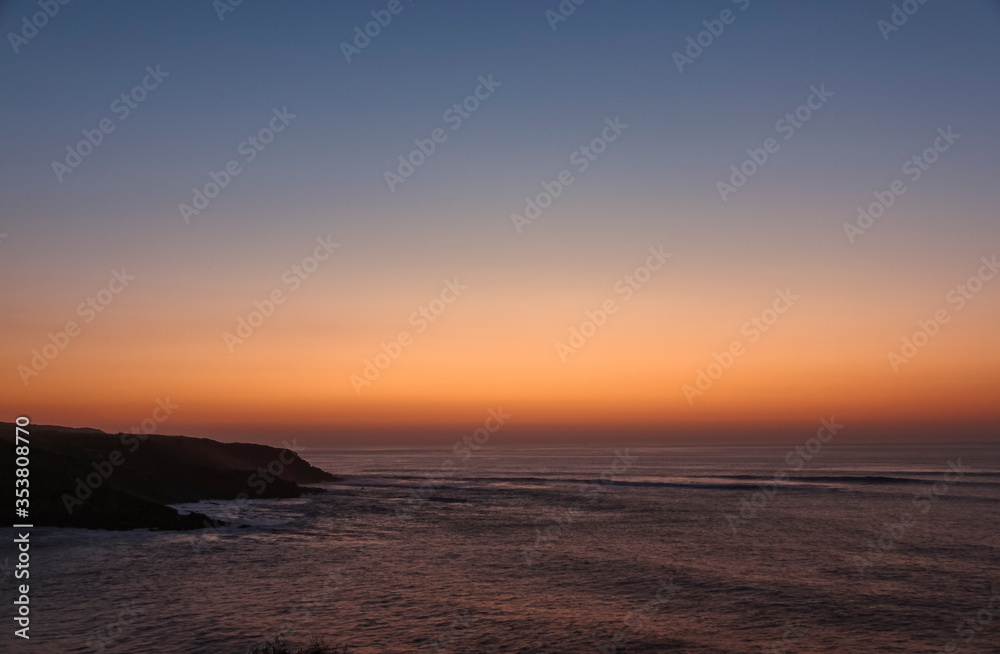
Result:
x=543 y=94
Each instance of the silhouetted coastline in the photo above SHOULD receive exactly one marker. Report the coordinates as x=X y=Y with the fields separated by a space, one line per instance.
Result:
x=92 y=479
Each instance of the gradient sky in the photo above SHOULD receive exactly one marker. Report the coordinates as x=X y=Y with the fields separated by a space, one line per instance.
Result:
x=495 y=345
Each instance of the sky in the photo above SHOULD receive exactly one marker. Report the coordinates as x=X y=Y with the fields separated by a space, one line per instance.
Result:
x=297 y=228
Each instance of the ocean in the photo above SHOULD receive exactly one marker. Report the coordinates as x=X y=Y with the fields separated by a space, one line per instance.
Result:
x=712 y=550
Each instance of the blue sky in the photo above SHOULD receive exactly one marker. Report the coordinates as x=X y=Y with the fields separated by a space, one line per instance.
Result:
x=324 y=174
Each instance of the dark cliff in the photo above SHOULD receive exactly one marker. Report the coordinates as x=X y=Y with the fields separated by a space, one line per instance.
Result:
x=87 y=478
